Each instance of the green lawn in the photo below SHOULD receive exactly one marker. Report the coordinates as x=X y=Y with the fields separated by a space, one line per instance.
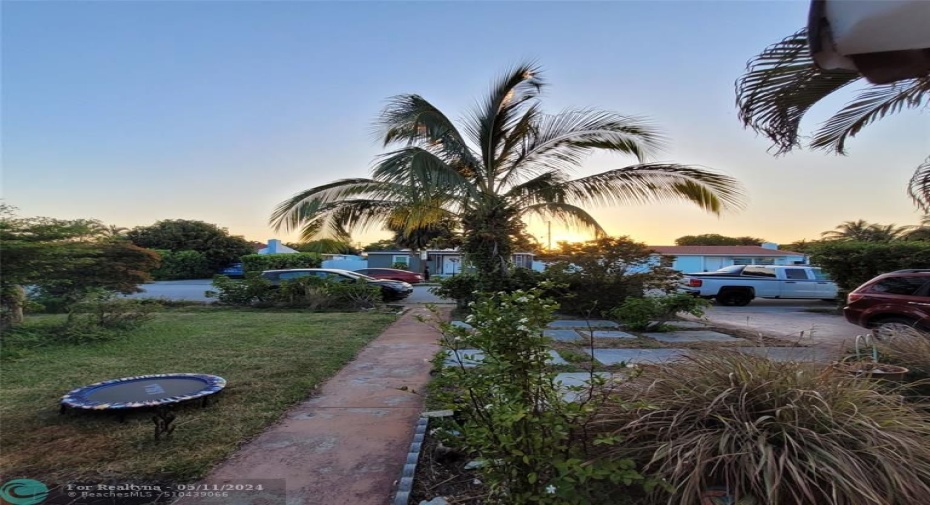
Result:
x=270 y=360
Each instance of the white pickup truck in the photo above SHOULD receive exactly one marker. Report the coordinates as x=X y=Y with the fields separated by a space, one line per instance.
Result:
x=740 y=284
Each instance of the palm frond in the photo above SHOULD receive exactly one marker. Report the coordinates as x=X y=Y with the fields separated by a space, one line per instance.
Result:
x=291 y=213
x=566 y=214
x=337 y=219
x=412 y=119
x=919 y=186
x=420 y=170
x=561 y=141
x=501 y=110
x=547 y=187
x=654 y=182
x=869 y=106
x=780 y=85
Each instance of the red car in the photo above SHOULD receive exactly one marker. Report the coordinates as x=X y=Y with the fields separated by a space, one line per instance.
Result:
x=392 y=274
x=901 y=297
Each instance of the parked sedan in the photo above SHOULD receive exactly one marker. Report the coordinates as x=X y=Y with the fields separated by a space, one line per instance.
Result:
x=392 y=274
x=901 y=297
x=390 y=290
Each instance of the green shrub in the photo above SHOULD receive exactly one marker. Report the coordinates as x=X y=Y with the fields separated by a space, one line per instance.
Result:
x=252 y=290
x=261 y=262
x=851 y=264
x=104 y=310
x=655 y=311
x=357 y=295
x=308 y=292
x=464 y=288
x=182 y=265
x=535 y=444
x=461 y=288
x=401 y=266
x=600 y=274
x=778 y=433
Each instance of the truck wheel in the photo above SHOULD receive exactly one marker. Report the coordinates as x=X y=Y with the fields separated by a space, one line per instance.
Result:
x=734 y=298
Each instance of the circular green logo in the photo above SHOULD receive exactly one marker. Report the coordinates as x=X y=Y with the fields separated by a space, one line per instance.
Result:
x=24 y=492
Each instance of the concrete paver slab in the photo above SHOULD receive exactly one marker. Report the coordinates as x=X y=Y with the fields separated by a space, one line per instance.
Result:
x=462 y=324
x=611 y=334
x=467 y=358
x=582 y=323
x=563 y=335
x=570 y=380
x=687 y=325
x=473 y=357
x=634 y=356
x=692 y=336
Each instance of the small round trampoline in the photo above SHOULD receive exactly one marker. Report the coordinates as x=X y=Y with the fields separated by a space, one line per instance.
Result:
x=143 y=391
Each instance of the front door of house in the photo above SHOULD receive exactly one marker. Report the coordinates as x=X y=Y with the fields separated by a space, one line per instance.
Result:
x=451 y=265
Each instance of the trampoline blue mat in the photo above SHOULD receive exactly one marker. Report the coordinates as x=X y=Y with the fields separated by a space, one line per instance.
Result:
x=143 y=391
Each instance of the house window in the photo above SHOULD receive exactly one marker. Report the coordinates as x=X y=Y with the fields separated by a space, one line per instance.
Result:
x=401 y=259
x=742 y=261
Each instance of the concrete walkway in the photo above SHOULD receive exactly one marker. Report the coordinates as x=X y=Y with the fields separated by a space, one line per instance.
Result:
x=346 y=445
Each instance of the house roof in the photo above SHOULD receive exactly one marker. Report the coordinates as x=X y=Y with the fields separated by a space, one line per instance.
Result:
x=720 y=250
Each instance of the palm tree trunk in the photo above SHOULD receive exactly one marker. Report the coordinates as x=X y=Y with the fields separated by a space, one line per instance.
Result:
x=488 y=244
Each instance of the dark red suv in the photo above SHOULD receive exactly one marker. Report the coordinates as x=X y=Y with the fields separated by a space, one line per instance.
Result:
x=897 y=297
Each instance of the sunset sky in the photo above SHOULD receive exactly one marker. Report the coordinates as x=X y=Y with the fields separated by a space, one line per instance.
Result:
x=133 y=112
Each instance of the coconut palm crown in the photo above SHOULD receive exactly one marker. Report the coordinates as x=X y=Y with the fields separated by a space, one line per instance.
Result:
x=782 y=83
x=505 y=161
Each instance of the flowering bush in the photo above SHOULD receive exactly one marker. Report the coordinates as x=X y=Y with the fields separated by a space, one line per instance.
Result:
x=512 y=414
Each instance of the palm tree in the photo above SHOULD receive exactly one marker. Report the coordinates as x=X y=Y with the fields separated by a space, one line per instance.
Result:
x=863 y=231
x=782 y=84
x=507 y=160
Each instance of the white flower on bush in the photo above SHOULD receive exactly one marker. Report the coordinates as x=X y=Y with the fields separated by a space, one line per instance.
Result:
x=457 y=339
x=523 y=299
x=470 y=319
x=523 y=328
x=524 y=320
x=550 y=489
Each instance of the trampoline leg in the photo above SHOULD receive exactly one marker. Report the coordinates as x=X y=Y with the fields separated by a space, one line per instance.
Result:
x=162 y=419
x=62 y=410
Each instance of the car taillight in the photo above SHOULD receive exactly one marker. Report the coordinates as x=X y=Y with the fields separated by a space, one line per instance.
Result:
x=695 y=283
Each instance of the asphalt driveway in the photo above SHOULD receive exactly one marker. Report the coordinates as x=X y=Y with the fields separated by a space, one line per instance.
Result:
x=797 y=320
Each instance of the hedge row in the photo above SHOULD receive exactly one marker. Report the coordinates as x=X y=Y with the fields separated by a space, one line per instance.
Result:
x=260 y=262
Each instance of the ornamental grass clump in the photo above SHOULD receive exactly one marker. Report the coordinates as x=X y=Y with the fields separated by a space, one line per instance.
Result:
x=774 y=433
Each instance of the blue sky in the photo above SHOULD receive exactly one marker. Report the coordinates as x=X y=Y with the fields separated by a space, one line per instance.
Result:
x=133 y=112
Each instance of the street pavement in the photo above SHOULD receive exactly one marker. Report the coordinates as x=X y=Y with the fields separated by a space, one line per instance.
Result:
x=193 y=291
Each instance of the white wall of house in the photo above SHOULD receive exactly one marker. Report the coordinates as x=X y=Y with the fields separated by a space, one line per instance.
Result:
x=700 y=263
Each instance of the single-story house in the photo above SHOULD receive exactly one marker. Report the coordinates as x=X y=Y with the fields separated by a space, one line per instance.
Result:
x=276 y=247
x=707 y=258
x=441 y=262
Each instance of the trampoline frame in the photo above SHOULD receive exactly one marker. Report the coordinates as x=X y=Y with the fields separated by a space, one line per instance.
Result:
x=76 y=398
